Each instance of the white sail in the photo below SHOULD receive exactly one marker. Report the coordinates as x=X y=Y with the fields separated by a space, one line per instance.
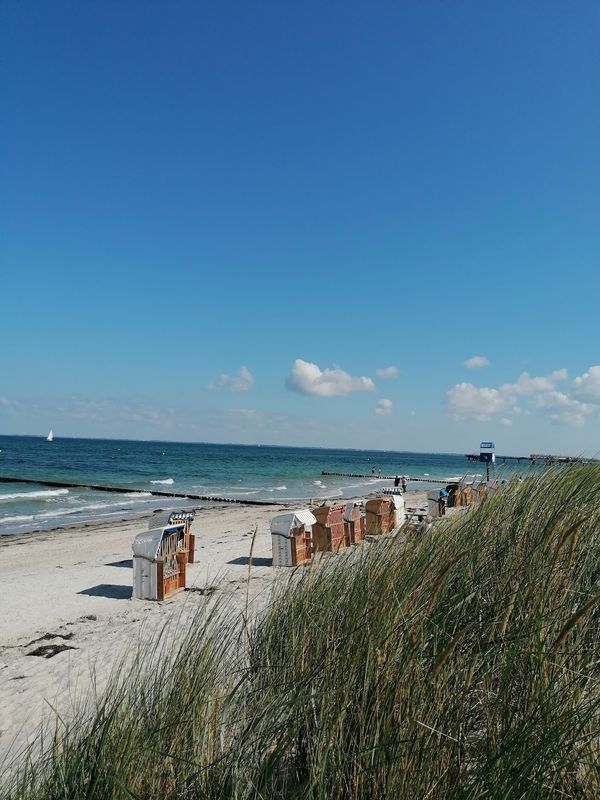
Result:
x=50 y=436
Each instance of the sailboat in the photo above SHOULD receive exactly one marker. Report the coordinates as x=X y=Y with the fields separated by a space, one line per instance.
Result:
x=50 y=437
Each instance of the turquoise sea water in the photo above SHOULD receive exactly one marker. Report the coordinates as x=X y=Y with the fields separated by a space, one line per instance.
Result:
x=235 y=471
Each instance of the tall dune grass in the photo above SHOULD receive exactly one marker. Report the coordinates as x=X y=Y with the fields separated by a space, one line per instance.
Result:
x=465 y=665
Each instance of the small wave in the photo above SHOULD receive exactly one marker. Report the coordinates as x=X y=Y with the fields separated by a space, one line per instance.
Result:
x=281 y=488
x=41 y=495
x=232 y=493
x=108 y=508
x=359 y=485
x=166 y=482
x=319 y=483
x=47 y=521
x=138 y=494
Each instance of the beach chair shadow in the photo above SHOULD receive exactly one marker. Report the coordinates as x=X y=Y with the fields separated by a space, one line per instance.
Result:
x=111 y=590
x=257 y=561
x=126 y=562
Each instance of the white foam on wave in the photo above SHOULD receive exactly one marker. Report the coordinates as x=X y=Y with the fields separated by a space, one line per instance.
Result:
x=166 y=482
x=231 y=493
x=39 y=495
x=114 y=507
x=329 y=494
x=46 y=521
x=359 y=485
x=281 y=488
x=18 y=518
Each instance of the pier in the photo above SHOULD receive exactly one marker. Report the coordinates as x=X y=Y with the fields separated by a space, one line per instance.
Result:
x=539 y=458
x=133 y=490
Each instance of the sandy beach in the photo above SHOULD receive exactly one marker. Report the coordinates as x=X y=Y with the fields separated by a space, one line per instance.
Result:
x=72 y=588
x=67 y=596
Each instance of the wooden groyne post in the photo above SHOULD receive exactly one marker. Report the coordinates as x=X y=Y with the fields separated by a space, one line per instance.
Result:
x=385 y=477
x=133 y=490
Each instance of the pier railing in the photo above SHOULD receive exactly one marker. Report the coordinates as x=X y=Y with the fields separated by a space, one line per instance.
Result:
x=539 y=458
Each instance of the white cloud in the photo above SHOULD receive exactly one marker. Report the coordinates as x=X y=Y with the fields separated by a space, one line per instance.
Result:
x=587 y=386
x=564 y=409
x=387 y=372
x=308 y=378
x=247 y=413
x=476 y=362
x=384 y=408
x=526 y=385
x=241 y=382
x=465 y=401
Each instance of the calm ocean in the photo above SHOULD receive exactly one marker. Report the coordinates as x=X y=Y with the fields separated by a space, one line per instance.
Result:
x=235 y=471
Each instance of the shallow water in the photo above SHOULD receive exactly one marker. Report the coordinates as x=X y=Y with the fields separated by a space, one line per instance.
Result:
x=232 y=471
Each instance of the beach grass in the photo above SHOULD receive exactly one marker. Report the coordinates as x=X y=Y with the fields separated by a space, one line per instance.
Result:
x=462 y=665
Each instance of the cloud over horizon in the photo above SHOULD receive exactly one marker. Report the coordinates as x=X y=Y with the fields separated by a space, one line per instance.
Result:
x=464 y=401
x=387 y=372
x=307 y=378
x=476 y=362
x=241 y=382
x=587 y=386
x=384 y=407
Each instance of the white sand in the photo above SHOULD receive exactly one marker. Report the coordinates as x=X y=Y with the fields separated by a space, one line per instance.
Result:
x=76 y=583
x=71 y=583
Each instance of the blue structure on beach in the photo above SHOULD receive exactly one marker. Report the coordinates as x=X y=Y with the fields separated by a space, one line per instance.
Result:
x=487 y=452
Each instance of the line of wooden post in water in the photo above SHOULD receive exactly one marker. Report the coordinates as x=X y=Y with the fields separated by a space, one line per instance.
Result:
x=386 y=477
x=130 y=490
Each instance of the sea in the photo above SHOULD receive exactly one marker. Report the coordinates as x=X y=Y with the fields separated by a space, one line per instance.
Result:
x=232 y=471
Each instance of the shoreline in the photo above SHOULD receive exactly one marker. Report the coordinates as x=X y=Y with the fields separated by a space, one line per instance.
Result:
x=69 y=618
x=217 y=503
x=69 y=591
x=6 y=538
x=61 y=478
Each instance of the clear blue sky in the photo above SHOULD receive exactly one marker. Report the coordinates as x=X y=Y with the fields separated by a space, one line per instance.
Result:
x=219 y=220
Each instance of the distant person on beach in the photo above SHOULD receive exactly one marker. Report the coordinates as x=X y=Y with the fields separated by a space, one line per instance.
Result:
x=379 y=472
x=396 y=481
x=442 y=502
x=403 y=484
x=372 y=470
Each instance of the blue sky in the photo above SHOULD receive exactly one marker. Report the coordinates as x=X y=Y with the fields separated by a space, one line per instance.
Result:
x=220 y=220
